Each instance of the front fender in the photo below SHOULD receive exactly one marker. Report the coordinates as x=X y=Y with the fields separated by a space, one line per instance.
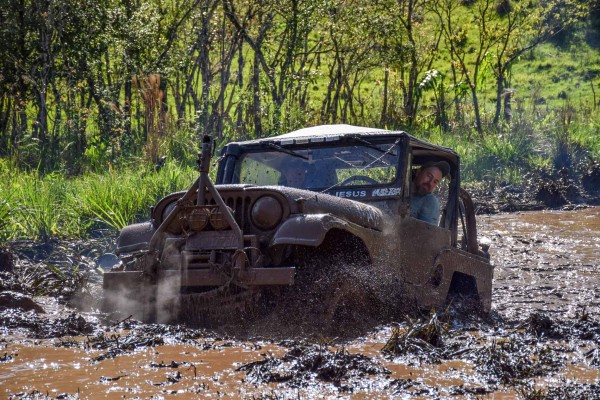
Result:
x=310 y=230
x=135 y=237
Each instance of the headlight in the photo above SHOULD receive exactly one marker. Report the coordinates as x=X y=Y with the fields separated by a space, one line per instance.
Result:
x=198 y=219
x=266 y=212
x=217 y=219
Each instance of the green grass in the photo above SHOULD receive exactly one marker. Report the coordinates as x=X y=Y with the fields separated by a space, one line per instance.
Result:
x=532 y=142
x=117 y=199
x=36 y=205
x=552 y=74
x=55 y=206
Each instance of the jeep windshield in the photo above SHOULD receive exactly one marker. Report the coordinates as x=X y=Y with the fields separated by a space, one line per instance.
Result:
x=319 y=168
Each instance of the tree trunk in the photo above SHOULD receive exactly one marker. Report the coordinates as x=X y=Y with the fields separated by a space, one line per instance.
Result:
x=239 y=124
x=410 y=109
x=478 y=124
x=204 y=66
x=384 y=109
x=41 y=75
x=5 y=112
x=127 y=105
x=456 y=100
x=499 y=89
x=256 y=103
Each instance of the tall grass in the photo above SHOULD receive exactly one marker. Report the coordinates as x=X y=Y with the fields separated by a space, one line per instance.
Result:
x=55 y=206
x=532 y=142
x=36 y=205
x=117 y=199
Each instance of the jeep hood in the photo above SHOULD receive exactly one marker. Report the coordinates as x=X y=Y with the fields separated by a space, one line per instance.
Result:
x=308 y=202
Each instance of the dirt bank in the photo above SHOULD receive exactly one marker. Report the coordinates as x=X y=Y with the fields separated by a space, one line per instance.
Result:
x=539 y=191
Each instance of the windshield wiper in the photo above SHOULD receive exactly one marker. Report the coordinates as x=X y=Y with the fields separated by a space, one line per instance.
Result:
x=284 y=150
x=372 y=146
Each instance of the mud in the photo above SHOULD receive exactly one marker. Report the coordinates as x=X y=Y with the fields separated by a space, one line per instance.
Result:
x=540 y=190
x=304 y=363
x=541 y=340
x=545 y=261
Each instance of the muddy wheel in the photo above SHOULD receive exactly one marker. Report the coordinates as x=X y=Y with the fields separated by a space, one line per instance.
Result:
x=333 y=293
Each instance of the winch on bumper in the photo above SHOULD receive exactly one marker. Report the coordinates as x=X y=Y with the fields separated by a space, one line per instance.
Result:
x=201 y=246
x=213 y=259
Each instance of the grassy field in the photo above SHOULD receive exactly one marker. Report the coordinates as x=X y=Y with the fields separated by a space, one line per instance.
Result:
x=56 y=206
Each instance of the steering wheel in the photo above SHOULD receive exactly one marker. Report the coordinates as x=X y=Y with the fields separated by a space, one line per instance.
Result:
x=364 y=178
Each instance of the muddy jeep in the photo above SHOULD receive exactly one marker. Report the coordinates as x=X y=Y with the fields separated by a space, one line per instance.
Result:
x=339 y=193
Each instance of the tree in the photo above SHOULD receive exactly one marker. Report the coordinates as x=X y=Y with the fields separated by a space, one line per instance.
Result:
x=43 y=52
x=521 y=26
x=418 y=50
x=20 y=67
x=277 y=31
x=499 y=33
x=469 y=44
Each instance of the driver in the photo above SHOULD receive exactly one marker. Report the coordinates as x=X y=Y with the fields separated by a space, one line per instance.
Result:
x=424 y=205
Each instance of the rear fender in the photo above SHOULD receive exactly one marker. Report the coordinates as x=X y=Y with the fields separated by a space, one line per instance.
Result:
x=310 y=230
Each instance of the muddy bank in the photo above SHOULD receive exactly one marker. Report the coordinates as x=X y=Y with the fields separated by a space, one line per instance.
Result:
x=539 y=342
x=539 y=191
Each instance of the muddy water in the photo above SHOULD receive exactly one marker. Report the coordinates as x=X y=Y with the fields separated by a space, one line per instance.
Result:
x=547 y=260
x=542 y=338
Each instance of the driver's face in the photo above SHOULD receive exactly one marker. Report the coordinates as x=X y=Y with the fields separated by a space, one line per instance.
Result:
x=426 y=180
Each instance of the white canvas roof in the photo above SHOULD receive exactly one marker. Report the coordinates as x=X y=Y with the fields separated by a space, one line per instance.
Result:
x=329 y=130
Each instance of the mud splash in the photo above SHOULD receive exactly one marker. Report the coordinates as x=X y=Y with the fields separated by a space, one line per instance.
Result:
x=539 y=342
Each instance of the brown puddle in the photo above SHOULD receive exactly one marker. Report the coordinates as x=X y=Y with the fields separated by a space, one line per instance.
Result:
x=167 y=369
x=547 y=260
x=184 y=370
x=539 y=338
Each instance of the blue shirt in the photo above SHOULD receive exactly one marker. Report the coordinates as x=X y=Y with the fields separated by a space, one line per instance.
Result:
x=426 y=208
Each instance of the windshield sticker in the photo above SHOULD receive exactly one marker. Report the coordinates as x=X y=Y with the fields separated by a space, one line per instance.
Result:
x=351 y=193
x=386 y=192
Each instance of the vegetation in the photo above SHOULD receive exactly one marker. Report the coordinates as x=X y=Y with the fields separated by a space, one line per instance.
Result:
x=55 y=206
x=94 y=93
